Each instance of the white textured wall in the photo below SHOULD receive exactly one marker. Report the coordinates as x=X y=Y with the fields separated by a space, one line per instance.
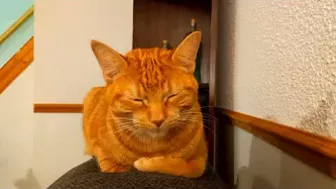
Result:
x=16 y=133
x=65 y=69
x=278 y=61
x=285 y=62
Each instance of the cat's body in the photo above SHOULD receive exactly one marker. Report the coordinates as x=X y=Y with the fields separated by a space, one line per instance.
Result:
x=148 y=115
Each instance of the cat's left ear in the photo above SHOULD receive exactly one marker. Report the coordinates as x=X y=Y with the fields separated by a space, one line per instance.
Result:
x=185 y=54
x=110 y=61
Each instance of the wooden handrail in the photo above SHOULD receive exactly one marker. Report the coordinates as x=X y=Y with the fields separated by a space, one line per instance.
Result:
x=17 y=64
x=16 y=24
x=20 y=60
x=317 y=151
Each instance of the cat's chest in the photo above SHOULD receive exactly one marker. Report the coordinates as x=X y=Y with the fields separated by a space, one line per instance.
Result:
x=132 y=152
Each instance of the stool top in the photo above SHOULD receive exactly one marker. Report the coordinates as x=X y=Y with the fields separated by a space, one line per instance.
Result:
x=87 y=175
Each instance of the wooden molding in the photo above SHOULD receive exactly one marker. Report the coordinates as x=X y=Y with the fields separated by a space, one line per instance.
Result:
x=317 y=151
x=17 y=64
x=212 y=76
x=58 y=108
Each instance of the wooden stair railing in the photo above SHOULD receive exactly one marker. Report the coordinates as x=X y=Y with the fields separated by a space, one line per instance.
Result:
x=17 y=64
x=316 y=151
x=20 y=60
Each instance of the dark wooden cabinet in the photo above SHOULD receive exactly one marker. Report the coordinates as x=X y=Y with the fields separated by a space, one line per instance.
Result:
x=157 y=20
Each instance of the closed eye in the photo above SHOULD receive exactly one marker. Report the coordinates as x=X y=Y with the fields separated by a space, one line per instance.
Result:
x=137 y=99
x=171 y=96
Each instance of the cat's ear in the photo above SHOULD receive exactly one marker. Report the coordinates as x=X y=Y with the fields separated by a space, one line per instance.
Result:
x=185 y=54
x=110 y=61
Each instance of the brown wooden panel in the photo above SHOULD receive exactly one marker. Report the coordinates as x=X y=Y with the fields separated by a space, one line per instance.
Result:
x=17 y=64
x=212 y=76
x=213 y=52
x=156 y=20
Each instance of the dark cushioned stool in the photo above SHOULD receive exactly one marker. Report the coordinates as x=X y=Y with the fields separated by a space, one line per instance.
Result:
x=88 y=175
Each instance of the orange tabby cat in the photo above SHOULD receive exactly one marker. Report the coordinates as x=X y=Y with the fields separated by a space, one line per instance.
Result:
x=147 y=116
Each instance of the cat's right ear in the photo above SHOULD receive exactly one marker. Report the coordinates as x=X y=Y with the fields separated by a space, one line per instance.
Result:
x=186 y=52
x=110 y=61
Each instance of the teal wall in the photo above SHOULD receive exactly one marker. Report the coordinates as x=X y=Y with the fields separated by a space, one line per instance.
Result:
x=10 y=11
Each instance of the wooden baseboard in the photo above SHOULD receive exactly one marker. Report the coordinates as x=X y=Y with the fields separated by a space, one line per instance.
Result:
x=17 y=64
x=316 y=151
x=58 y=108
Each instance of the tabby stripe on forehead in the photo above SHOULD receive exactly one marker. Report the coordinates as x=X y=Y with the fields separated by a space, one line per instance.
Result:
x=151 y=72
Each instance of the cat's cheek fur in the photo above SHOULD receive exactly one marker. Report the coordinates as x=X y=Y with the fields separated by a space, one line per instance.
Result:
x=142 y=118
x=172 y=114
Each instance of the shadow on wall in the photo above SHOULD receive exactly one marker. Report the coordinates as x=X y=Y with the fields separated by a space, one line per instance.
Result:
x=317 y=120
x=245 y=180
x=3 y=162
x=29 y=182
x=270 y=168
x=263 y=168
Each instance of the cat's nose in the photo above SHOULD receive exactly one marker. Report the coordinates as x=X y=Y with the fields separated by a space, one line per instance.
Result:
x=158 y=122
x=157 y=114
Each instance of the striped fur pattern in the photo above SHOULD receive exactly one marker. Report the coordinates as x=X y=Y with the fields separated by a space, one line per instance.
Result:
x=147 y=115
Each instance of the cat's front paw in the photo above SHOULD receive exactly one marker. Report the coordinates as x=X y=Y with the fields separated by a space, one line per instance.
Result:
x=173 y=166
x=148 y=164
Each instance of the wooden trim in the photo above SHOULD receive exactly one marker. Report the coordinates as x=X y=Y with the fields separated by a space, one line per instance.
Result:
x=212 y=77
x=58 y=108
x=17 y=64
x=317 y=151
x=213 y=52
x=16 y=24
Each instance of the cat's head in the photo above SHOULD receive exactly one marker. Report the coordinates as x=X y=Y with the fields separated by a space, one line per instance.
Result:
x=153 y=89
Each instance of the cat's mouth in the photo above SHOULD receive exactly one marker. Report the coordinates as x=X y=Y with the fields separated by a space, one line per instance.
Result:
x=139 y=127
x=157 y=132
x=152 y=130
